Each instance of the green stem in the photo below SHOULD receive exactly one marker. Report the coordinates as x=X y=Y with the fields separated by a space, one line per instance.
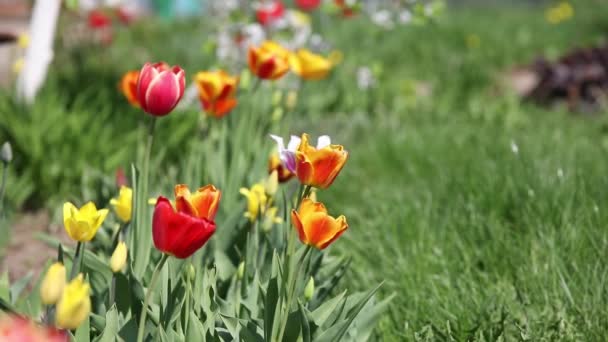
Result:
x=293 y=276
x=113 y=290
x=76 y=260
x=3 y=184
x=144 y=312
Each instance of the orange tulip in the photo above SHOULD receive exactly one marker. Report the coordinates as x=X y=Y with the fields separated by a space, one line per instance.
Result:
x=128 y=86
x=274 y=163
x=216 y=91
x=270 y=61
x=315 y=227
x=319 y=166
x=202 y=204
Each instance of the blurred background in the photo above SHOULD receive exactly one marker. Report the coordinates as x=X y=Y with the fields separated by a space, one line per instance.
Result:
x=477 y=130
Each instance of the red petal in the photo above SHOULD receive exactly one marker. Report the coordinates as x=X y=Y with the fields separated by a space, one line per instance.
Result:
x=162 y=94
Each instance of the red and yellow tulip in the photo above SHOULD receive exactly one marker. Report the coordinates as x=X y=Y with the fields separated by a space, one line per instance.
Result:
x=314 y=225
x=128 y=87
x=319 y=167
x=216 y=91
x=270 y=61
x=181 y=231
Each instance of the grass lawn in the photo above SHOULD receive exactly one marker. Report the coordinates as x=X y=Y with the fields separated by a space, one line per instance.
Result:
x=486 y=217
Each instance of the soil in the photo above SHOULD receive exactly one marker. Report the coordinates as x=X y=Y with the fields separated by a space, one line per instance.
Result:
x=25 y=252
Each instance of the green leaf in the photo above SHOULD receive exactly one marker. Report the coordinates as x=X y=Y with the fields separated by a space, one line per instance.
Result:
x=305 y=324
x=270 y=306
x=123 y=293
x=19 y=286
x=5 y=293
x=250 y=332
x=83 y=332
x=196 y=331
x=323 y=312
x=128 y=332
x=111 y=329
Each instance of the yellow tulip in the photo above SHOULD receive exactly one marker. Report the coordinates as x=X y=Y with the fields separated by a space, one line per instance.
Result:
x=271 y=185
x=82 y=224
x=119 y=257
x=123 y=205
x=270 y=219
x=53 y=283
x=309 y=66
x=256 y=200
x=75 y=304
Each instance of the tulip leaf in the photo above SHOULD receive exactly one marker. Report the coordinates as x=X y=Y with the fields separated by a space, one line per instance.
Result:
x=83 y=332
x=196 y=331
x=128 y=332
x=250 y=331
x=270 y=306
x=19 y=286
x=111 y=329
x=324 y=311
x=123 y=293
x=5 y=288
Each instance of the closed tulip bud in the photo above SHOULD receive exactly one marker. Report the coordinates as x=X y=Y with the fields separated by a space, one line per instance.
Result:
x=272 y=183
x=240 y=271
x=119 y=257
x=160 y=87
x=53 y=283
x=123 y=204
x=191 y=272
x=291 y=100
x=75 y=304
x=6 y=152
x=309 y=290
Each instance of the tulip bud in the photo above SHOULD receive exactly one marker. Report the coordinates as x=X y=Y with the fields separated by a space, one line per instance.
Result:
x=75 y=304
x=276 y=97
x=309 y=290
x=53 y=284
x=291 y=100
x=191 y=271
x=160 y=88
x=240 y=271
x=119 y=257
x=6 y=152
x=272 y=183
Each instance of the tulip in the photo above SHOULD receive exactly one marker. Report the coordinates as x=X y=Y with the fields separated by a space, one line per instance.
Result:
x=119 y=257
x=270 y=219
x=309 y=66
x=52 y=284
x=98 y=20
x=268 y=13
x=160 y=87
x=82 y=224
x=275 y=165
x=270 y=61
x=315 y=227
x=287 y=154
x=179 y=233
x=217 y=92
x=128 y=87
x=202 y=204
x=123 y=205
x=75 y=304
x=308 y=5
x=19 y=329
x=309 y=290
x=6 y=152
x=256 y=200
x=319 y=167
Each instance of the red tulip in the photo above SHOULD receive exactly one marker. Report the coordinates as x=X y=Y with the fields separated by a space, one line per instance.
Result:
x=98 y=19
x=179 y=233
x=160 y=88
x=308 y=5
x=270 y=12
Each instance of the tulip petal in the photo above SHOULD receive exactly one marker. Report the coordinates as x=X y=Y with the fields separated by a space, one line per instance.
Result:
x=163 y=93
x=146 y=75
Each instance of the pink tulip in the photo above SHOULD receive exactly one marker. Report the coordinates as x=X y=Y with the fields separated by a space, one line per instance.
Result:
x=160 y=87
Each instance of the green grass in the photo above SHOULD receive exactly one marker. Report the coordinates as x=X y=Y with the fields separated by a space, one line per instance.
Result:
x=477 y=241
